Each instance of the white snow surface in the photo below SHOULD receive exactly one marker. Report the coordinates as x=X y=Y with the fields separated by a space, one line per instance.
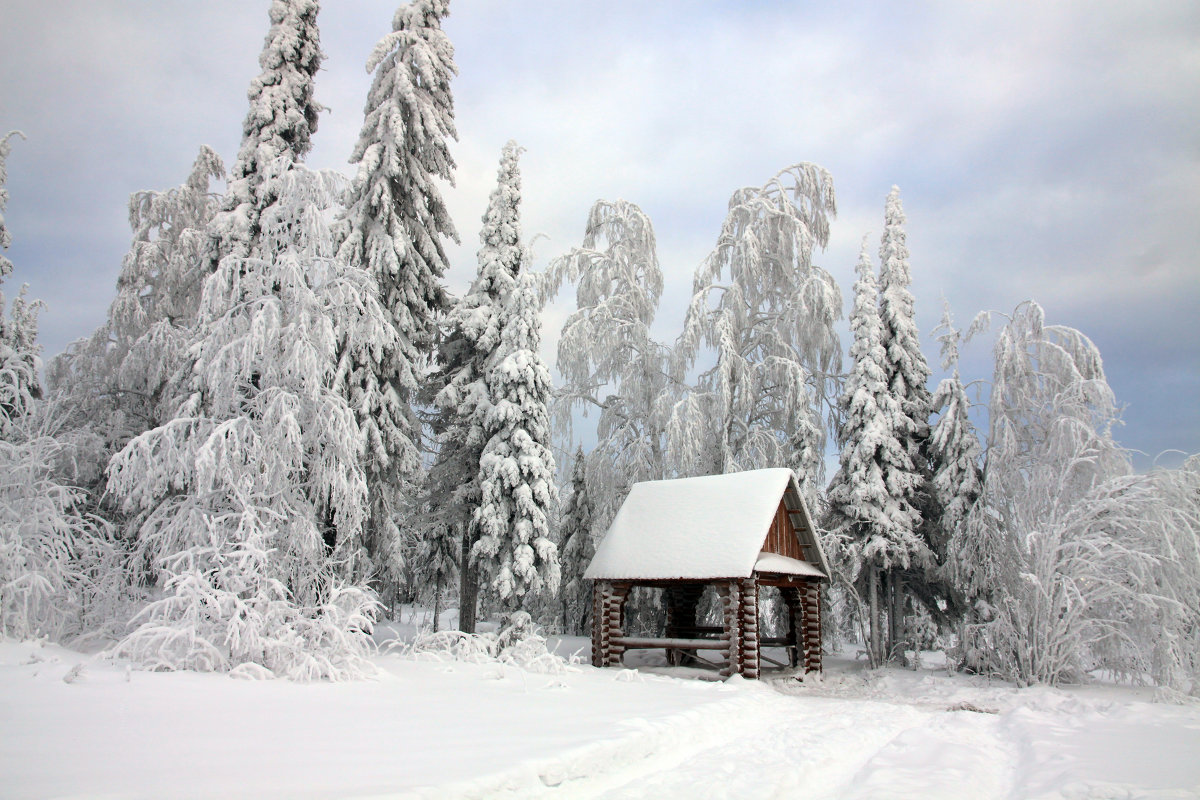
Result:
x=707 y=527
x=75 y=726
x=773 y=562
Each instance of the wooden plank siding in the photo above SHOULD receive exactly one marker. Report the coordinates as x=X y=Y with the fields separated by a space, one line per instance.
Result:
x=781 y=538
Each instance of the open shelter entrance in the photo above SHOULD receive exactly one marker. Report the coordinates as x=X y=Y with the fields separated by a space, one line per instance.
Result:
x=736 y=533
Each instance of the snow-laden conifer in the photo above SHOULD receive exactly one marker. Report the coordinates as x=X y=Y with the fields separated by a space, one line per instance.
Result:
x=460 y=384
x=905 y=369
x=394 y=226
x=279 y=124
x=19 y=362
x=768 y=312
x=238 y=500
x=515 y=551
x=575 y=550
x=953 y=447
x=609 y=362
x=870 y=521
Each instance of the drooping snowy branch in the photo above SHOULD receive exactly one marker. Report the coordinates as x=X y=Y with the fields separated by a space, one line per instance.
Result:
x=768 y=312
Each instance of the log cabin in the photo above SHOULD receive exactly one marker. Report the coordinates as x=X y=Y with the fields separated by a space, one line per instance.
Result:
x=736 y=533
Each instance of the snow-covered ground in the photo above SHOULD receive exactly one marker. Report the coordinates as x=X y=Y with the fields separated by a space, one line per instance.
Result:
x=74 y=726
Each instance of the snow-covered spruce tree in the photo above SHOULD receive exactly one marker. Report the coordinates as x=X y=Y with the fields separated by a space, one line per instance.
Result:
x=125 y=378
x=393 y=227
x=19 y=383
x=238 y=500
x=1074 y=562
x=869 y=521
x=467 y=352
x=575 y=550
x=607 y=357
x=907 y=375
x=768 y=312
x=51 y=551
x=515 y=551
x=954 y=449
x=279 y=124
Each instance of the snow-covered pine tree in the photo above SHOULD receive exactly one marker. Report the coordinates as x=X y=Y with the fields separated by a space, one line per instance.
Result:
x=518 y=492
x=768 y=312
x=606 y=347
x=238 y=499
x=575 y=550
x=467 y=352
x=125 y=378
x=954 y=448
x=869 y=521
x=907 y=375
x=19 y=382
x=393 y=226
x=279 y=124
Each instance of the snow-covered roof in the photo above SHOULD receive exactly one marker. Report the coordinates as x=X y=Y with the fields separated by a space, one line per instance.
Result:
x=707 y=527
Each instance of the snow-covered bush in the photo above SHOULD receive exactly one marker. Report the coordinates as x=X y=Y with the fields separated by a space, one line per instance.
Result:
x=56 y=562
x=519 y=643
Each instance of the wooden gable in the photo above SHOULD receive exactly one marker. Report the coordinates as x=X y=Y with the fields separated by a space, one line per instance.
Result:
x=781 y=538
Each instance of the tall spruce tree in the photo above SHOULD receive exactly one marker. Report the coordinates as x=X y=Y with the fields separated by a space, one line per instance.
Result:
x=279 y=124
x=393 y=227
x=907 y=374
x=516 y=468
x=871 y=521
x=954 y=449
x=475 y=324
x=575 y=549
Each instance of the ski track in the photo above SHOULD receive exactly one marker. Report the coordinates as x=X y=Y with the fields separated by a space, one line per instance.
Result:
x=779 y=746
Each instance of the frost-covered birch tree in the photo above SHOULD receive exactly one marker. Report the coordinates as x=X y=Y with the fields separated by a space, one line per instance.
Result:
x=576 y=548
x=767 y=313
x=279 y=124
x=238 y=501
x=610 y=363
x=53 y=554
x=125 y=378
x=394 y=226
x=869 y=520
x=475 y=323
x=1072 y=560
x=515 y=551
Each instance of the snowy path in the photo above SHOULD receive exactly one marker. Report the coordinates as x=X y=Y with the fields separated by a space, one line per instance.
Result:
x=71 y=726
x=823 y=747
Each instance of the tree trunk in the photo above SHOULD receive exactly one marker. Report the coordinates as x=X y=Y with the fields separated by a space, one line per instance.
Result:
x=895 y=617
x=875 y=650
x=437 y=602
x=468 y=590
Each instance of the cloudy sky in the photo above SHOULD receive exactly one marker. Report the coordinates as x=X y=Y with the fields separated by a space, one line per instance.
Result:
x=1043 y=150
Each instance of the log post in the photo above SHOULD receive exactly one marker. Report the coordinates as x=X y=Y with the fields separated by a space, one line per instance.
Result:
x=731 y=633
x=791 y=597
x=749 y=619
x=614 y=624
x=811 y=631
x=600 y=594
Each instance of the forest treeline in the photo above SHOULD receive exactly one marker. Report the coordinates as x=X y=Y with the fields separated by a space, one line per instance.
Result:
x=288 y=426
